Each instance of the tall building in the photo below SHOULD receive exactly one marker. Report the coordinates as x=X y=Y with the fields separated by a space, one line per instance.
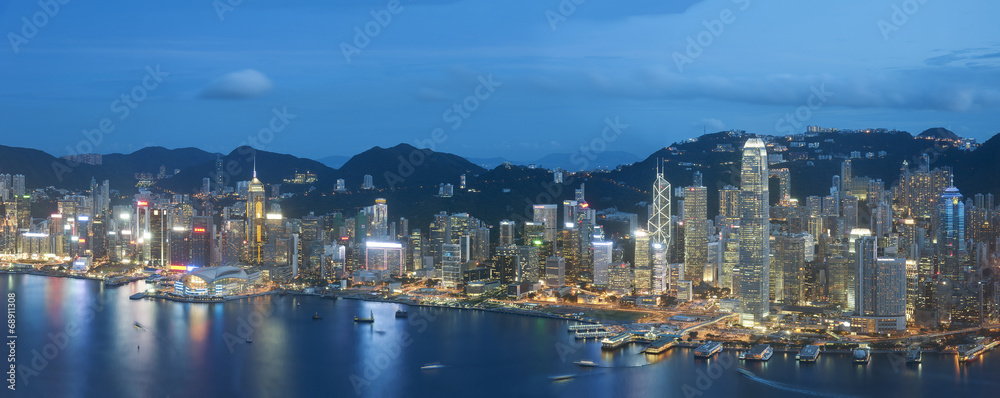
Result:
x=695 y=230
x=602 y=261
x=659 y=210
x=643 y=265
x=755 y=228
x=256 y=220
x=555 y=271
x=547 y=215
x=506 y=233
x=451 y=267
x=380 y=219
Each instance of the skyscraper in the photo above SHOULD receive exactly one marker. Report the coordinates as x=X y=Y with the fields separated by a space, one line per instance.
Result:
x=506 y=233
x=659 y=210
x=548 y=216
x=754 y=233
x=695 y=230
x=643 y=266
x=256 y=236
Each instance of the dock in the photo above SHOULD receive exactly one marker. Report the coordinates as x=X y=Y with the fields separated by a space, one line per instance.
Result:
x=586 y=327
x=595 y=334
x=661 y=345
x=618 y=340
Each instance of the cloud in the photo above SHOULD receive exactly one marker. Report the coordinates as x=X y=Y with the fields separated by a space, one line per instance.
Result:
x=247 y=83
x=712 y=124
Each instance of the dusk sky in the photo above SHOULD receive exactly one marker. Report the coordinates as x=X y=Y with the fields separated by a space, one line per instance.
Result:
x=907 y=65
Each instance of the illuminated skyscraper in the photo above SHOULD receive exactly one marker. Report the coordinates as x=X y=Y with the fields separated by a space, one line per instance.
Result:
x=643 y=267
x=548 y=216
x=754 y=232
x=380 y=219
x=506 y=233
x=951 y=233
x=256 y=219
x=695 y=230
x=659 y=210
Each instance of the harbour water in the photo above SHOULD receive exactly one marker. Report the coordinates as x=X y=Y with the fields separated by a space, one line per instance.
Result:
x=78 y=338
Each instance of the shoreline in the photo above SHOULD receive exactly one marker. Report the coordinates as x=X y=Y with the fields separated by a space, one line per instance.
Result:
x=527 y=313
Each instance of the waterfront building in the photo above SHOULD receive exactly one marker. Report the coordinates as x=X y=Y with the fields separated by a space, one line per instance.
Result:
x=754 y=233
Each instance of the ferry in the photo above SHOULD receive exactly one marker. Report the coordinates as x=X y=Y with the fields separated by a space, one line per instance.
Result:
x=708 y=349
x=742 y=355
x=760 y=352
x=862 y=354
x=590 y=364
x=316 y=316
x=379 y=331
x=971 y=354
x=402 y=314
x=562 y=377
x=808 y=353
x=661 y=345
x=432 y=365
x=249 y=341
x=744 y=371
x=370 y=319
x=913 y=354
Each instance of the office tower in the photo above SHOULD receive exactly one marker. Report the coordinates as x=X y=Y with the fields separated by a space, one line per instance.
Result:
x=659 y=210
x=569 y=211
x=384 y=256
x=754 y=233
x=620 y=278
x=368 y=183
x=951 y=244
x=547 y=215
x=529 y=258
x=643 y=267
x=506 y=233
x=730 y=259
x=660 y=273
x=451 y=267
x=784 y=184
x=569 y=249
x=695 y=230
x=256 y=219
x=206 y=186
x=506 y=265
x=602 y=261
x=789 y=265
x=831 y=206
x=846 y=176
x=380 y=219
x=729 y=205
x=555 y=271
x=850 y=212
x=18 y=184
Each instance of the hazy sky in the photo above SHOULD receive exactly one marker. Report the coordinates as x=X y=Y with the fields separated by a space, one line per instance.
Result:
x=216 y=74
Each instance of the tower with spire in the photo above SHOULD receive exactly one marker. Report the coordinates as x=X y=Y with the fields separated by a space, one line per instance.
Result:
x=256 y=228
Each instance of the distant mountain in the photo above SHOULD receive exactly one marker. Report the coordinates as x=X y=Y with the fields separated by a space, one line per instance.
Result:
x=334 y=161
x=491 y=163
x=238 y=165
x=405 y=166
x=938 y=133
x=42 y=169
x=580 y=161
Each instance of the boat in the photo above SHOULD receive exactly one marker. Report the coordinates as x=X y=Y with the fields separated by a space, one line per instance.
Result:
x=380 y=331
x=402 y=314
x=432 y=365
x=708 y=349
x=249 y=341
x=589 y=364
x=913 y=354
x=138 y=325
x=759 y=352
x=741 y=355
x=744 y=371
x=562 y=377
x=316 y=316
x=370 y=319
x=298 y=304
x=808 y=353
x=862 y=354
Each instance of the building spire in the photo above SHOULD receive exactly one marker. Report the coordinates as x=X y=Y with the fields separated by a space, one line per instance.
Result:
x=255 y=166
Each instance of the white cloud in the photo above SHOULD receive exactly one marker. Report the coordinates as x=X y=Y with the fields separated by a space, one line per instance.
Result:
x=247 y=83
